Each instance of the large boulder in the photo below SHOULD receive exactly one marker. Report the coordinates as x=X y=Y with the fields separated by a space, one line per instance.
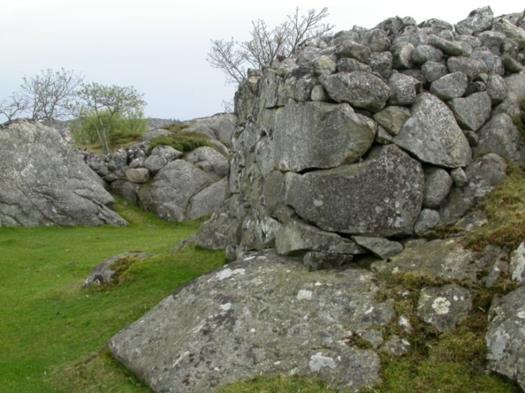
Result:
x=433 y=135
x=261 y=315
x=381 y=196
x=220 y=126
x=320 y=135
x=43 y=181
x=506 y=336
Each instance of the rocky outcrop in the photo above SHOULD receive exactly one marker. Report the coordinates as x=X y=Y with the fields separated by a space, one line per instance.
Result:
x=174 y=185
x=44 y=181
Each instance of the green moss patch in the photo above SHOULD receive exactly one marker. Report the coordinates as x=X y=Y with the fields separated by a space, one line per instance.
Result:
x=182 y=141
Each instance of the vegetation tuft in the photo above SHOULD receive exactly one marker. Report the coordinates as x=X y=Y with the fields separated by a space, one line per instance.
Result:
x=182 y=141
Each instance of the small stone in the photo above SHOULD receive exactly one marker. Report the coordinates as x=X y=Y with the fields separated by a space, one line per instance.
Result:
x=473 y=111
x=137 y=175
x=433 y=70
x=517 y=264
x=427 y=220
x=403 y=89
x=459 y=177
x=318 y=94
x=381 y=63
x=402 y=55
x=451 y=48
x=396 y=346
x=444 y=307
x=424 y=53
x=450 y=86
x=469 y=66
x=437 y=186
x=392 y=118
x=496 y=88
x=324 y=65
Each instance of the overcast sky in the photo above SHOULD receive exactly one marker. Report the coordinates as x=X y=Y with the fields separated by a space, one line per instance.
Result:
x=160 y=46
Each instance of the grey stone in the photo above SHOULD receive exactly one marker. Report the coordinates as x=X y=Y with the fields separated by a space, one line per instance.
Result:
x=445 y=259
x=478 y=20
x=219 y=232
x=493 y=62
x=347 y=64
x=515 y=33
x=381 y=63
x=502 y=137
x=472 y=220
x=472 y=137
x=505 y=336
x=171 y=189
x=160 y=156
x=360 y=89
x=403 y=89
x=402 y=54
x=44 y=181
x=354 y=50
x=484 y=174
x=392 y=118
x=220 y=126
x=517 y=264
x=137 y=163
x=451 y=48
x=324 y=65
x=471 y=67
x=126 y=189
x=444 y=307
x=295 y=237
x=317 y=260
x=209 y=160
x=377 y=40
x=396 y=346
x=433 y=70
x=459 y=177
x=437 y=186
x=383 y=137
x=496 y=88
x=106 y=272
x=208 y=200
x=511 y=65
x=380 y=246
x=320 y=135
x=380 y=196
x=248 y=319
x=427 y=220
x=318 y=93
x=473 y=111
x=450 y=86
x=432 y=134
x=424 y=53
x=137 y=175
x=493 y=40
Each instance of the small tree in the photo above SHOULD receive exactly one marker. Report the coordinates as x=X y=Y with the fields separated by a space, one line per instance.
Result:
x=267 y=44
x=51 y=94
x=15 y=105
x=109 y=110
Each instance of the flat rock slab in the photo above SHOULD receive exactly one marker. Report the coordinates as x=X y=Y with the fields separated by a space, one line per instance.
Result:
x=433 y=135
x=506 y=336
x=381 y=196
x=262 y=315
x=44 y=181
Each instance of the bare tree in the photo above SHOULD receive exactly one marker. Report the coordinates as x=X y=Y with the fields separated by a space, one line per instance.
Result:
x=15 y=105
x=51 y=94
x=267 y=44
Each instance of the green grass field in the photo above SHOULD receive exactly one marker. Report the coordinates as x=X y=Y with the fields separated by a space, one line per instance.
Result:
x=52 y=332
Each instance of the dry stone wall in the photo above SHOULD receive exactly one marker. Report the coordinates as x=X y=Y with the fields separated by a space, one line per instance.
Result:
x=376 y=133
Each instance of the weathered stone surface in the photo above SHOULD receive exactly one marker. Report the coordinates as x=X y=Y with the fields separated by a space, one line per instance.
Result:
x=477 y=21
x=160 y=156
x=496 y=88
x=219 y=232
x=473 y=111
x=208 y=200
x=358 y=88
x=424 y=53
x=502 y=137
x=324 y=65
x=209 y=160
x=381 y=196
x=427 y=220
x=106 y=272
x=444 y=307
x=380 y=246
x=433 y=70
x=347 y=64
x=468 y=65
x=220 y=126
x=402 y=54
x=349 y=48
x=517 y=264
x=459 y=177
x=43 y=181
x=392 y=118
x=403 y=89
x=450 y=86
x=484 y=174
x=381 y=62
x=126 y=189
x=437 y=186
x=443 y=259
x=170 y=191
x=451 y=48
x=506 y=336
x=432 y=134
x=317 y=260
x=248 y=319
x=320 y=135
x=295 y=237
x=137 y=175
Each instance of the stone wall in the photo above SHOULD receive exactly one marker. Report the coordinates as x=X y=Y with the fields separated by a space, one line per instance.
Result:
x=370 y=136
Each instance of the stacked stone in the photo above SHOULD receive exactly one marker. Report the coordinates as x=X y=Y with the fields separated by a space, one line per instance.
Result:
x=173 y=185
x=370 y=136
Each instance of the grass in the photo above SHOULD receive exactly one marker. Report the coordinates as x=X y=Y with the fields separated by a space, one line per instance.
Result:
x=182 y=141
x=505 y=209
x=52 y=332
x=279 y=384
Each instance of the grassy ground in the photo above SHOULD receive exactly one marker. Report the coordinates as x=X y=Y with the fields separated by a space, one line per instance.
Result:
x=52 y=332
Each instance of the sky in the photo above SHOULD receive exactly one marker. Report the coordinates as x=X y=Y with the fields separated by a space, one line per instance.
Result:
x=160 y=46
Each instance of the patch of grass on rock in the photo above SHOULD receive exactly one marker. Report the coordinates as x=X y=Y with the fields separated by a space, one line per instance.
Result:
x=279 y=384
x=181 y=141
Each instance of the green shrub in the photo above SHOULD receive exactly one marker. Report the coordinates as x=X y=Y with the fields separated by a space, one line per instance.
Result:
x=182 y=141
x=118 y=128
